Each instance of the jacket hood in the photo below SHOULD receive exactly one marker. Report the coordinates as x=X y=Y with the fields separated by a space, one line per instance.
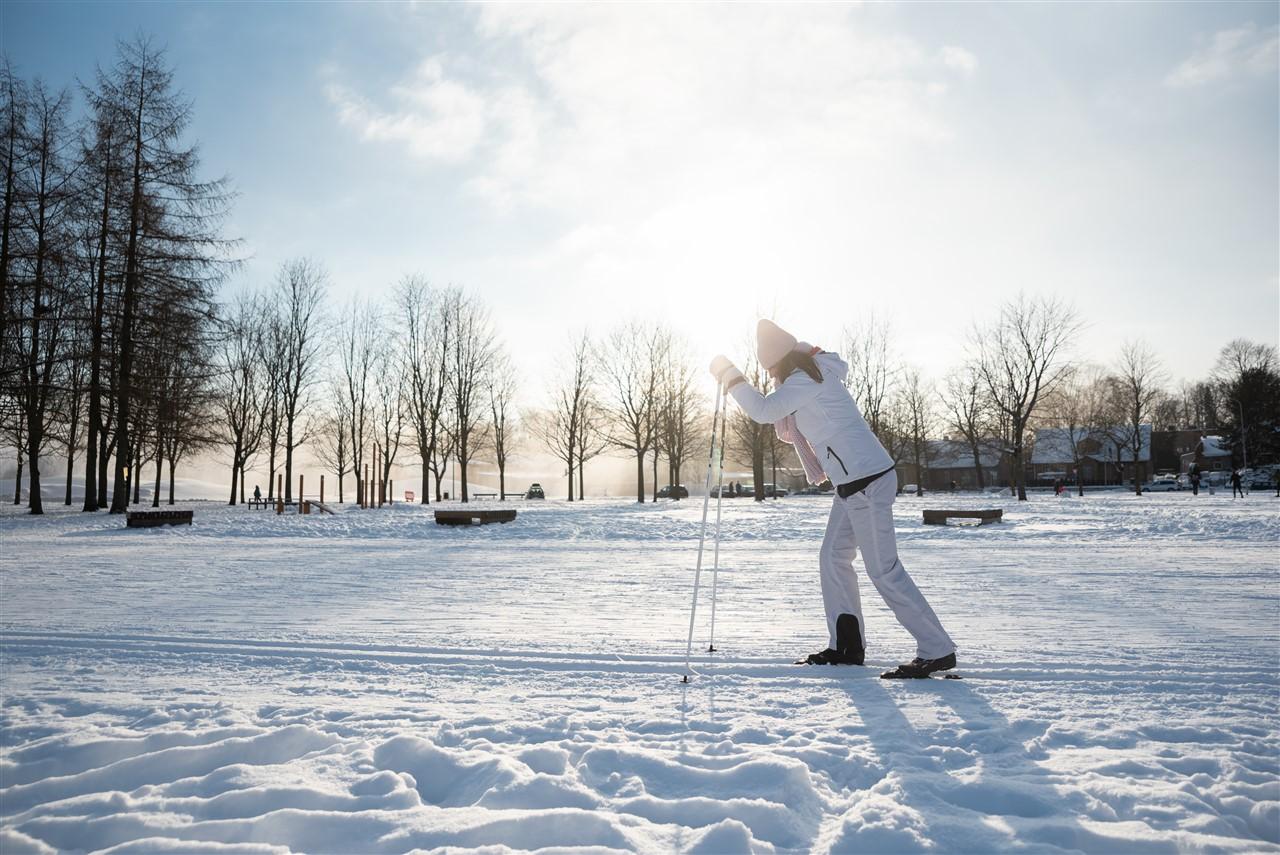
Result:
x=832 y=363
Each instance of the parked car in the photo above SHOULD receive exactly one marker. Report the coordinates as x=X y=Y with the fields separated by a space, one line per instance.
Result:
x=535 y=492
x=1259 y=479
x=679 y=491
x=910 y=488
x=1163 y=485
x=772 y=491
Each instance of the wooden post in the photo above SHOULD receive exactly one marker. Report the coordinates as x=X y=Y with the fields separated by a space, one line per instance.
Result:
x=364 y=494
x=299 y=489
x=280 y=493
x=391 y=492
x=322 y=489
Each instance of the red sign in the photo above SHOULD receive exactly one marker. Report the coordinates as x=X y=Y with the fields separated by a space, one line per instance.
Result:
x=408 y=495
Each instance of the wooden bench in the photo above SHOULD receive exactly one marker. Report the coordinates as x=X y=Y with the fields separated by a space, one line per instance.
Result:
x=473 y=517
x=267 y=503
x=149 y=519
x=983 y=516
x=485 y=495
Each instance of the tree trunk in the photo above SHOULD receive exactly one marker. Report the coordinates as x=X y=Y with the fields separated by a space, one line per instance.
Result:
x=977 y=465
x=582 y=492
x=34 y=499
x=502 y=482
x=1019 y=473
x=104 y=460
x=655 y=474
x=757 y=464
x=135 y=474
x=173 y=465
x=155 y=495
x=462 y=464
x=17 y=481
x=235 y=473
x=288 y=461
x=640 y=477
x=571 y=476
x=426 y=483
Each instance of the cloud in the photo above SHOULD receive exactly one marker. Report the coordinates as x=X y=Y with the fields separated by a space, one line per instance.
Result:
x=1242 y=52
x=607 y=107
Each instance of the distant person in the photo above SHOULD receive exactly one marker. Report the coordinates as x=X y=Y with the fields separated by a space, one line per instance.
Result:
x=1194 y=472
x=1235 y=484
x=953 y=485
x=257 y=493
x=811 y=409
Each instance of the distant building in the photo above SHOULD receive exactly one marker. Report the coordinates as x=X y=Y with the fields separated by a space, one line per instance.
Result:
x=1169 y=446
x=948 y=460
x=1102 y=460
x=1209 y=453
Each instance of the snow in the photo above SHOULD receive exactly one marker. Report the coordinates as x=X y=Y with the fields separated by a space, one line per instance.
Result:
x=372 y=682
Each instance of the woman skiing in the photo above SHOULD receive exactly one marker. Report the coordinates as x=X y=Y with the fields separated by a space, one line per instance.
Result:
x=811 y=409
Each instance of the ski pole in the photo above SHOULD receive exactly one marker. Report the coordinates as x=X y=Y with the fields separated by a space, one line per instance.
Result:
x=702 y=538
x=715 y=560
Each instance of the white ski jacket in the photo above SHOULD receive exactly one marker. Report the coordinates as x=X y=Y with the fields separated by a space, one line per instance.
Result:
x=827 y=416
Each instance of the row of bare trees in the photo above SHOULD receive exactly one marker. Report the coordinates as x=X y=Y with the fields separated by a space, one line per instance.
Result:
x=110 y=255
x=635 y=392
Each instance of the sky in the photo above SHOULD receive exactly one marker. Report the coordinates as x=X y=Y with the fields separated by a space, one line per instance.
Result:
x=706 y=165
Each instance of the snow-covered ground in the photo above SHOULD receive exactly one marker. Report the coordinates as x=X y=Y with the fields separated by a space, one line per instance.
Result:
x=371 y=682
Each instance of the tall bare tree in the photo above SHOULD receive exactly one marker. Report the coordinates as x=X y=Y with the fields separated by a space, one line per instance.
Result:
x=966 y=412
x=173 y=217
x=873 y=369
x=752 y=439
x=631 y=368
x=428 y=334
x=359 y=334
x=1021 y=357
x=389 y=414
x=1078 y=407
x=471 y=363
x=504 y=428
x=1138 y=383
x=301 y=286
x=918 y=407
x=332 y=440
x=43 y=294
x=560 y=428
x=242 y=387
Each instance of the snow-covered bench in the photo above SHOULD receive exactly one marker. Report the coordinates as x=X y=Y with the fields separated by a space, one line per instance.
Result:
x=470 y=517
x=983 y=516
x=148 y=519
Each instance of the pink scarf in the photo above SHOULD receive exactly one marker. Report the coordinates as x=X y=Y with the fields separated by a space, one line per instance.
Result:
x=787 y=431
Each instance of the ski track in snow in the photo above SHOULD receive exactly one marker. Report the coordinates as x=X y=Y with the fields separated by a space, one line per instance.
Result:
x=372 y=682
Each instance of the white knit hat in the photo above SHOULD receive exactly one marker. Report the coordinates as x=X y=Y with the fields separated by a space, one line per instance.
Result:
x=772 y=343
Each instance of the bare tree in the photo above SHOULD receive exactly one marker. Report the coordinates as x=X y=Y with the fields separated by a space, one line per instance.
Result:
x=752 y=439
x=42 y=295
x=389 y=412
x=1137 y=384
x=502 y=388
x=873 y=370
x=1078 y=407
x=172 y=219
x=472 y=361
x=1020 y=359
x=242 y=389
x=917 y=405
x=302 y=284
x=428 y=341
x=631 y=365
x=332 y=440
x=358 y=337
x=967 y=412
x=680 y=409
x=561 y=428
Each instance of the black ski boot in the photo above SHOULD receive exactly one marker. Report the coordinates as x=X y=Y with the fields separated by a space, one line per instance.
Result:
x=918 y=669
x=848 y=649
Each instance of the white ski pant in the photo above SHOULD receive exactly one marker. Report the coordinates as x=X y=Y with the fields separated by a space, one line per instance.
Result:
x=864 y=522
